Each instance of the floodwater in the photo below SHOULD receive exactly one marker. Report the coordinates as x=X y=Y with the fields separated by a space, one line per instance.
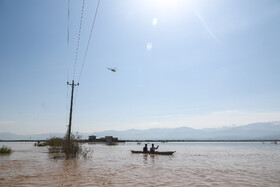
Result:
x=193 y=164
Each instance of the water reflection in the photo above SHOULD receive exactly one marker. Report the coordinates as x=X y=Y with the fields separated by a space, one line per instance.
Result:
x=145 y=159
x=71 y=171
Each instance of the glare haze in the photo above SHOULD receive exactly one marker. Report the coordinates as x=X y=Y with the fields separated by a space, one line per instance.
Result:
x=180 y=63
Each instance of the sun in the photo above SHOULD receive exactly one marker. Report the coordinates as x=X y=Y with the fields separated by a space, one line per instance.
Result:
x=168 y=9
x=169 y=5
x=165 y=4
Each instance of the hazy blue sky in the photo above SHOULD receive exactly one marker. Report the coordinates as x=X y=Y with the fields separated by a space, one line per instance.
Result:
x=197 y=63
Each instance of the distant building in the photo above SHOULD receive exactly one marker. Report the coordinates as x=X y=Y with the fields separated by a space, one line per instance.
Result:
x=92 y=138
x=109 y=139
x=103 y=139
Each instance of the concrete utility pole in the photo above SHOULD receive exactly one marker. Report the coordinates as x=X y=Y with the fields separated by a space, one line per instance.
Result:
x=70 y=117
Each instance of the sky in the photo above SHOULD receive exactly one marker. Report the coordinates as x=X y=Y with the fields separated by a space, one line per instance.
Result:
x=180 y=63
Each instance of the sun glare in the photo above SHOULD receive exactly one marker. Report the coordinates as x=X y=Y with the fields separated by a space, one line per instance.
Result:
x=167 y=9
x=170 y=5
x=155 y=21
x=149 y=46
x=166 y=4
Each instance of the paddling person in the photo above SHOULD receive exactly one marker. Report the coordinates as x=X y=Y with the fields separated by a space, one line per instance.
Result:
x=145 y=149
x=153 y=148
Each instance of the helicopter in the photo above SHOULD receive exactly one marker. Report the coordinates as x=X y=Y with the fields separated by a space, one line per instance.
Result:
x=112 y=69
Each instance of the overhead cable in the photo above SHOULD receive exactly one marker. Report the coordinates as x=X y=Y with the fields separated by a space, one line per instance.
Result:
x=68 y=23
x=92 y=26
x=78 y=42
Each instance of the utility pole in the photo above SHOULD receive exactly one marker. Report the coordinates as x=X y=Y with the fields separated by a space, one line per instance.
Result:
x=71 y=106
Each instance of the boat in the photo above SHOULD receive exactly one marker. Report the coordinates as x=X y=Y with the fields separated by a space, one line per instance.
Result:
x=155 y=153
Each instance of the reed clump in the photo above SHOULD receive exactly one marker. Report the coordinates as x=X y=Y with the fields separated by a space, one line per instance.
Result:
x=5 y=150
x=62 y=148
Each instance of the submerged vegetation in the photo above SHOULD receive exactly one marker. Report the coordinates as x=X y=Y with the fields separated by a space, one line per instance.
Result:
x=5 y=150
x=60 y=148
x=40 y=144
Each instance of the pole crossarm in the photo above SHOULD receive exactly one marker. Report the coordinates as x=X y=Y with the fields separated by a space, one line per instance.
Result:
x=73 y=83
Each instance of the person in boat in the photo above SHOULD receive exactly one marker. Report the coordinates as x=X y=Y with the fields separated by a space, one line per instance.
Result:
x=153 y=148
x=145 y=149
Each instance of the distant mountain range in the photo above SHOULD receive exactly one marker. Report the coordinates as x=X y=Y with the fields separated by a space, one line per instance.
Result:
x=11 y=136
x=254 y=131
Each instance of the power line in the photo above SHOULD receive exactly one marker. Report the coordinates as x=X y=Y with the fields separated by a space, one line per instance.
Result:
x=68 y=24
x=92 y=26
x=68 y=35
x=76 y=58
x=79 y=36
x=66 y=109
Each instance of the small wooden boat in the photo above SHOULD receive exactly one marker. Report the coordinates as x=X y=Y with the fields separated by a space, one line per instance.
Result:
x=156 y=152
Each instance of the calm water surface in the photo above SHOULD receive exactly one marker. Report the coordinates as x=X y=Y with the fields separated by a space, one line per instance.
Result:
x=193 y=164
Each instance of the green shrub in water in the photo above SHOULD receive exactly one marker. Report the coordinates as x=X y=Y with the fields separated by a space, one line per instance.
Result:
x=5 y=150
x=63 y=148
